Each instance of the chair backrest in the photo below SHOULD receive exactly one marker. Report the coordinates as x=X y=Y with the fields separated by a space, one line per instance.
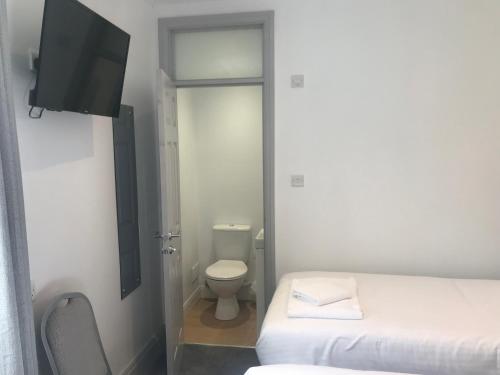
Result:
x=71 y=339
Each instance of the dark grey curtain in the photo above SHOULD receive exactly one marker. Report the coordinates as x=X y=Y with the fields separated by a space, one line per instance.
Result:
x=17 y=331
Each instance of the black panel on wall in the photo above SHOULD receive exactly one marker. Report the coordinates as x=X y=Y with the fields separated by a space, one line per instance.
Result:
x=126 y=200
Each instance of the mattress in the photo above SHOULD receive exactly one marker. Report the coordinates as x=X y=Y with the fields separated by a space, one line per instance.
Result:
x=419 y=325
x=309 y=370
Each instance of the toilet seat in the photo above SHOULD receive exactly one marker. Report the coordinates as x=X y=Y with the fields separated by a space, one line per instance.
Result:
x=227 y=270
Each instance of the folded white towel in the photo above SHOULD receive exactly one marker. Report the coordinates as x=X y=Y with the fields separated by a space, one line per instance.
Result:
x=320 y=290
x=348 y=309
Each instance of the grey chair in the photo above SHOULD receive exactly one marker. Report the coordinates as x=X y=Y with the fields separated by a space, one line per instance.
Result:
x=71 y=339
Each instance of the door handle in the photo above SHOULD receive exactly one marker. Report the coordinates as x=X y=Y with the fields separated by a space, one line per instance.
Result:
x=171 y=236
x=169 y=250
x=168 y=236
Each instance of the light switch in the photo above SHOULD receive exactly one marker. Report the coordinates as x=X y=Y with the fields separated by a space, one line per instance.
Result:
x=297 y=81
x=297 y=180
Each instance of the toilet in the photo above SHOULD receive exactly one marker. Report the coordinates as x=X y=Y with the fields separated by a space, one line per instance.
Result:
x=232 y=243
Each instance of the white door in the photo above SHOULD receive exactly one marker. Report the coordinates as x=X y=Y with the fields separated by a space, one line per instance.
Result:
x=170 y=221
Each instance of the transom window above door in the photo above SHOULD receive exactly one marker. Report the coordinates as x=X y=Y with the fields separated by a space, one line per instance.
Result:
x=228 y=53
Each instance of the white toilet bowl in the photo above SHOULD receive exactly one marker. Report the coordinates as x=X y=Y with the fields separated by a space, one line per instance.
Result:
x=225 y=278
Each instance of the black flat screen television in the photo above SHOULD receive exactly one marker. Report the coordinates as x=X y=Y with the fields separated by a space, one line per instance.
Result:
x=82 y=60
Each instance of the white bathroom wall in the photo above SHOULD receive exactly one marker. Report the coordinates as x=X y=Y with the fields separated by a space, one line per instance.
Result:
x=396 y=131
x=69 y=186
x=221 y=129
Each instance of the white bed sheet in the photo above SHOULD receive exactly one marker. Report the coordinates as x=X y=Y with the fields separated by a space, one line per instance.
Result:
x=421 y=325
x=310 y=370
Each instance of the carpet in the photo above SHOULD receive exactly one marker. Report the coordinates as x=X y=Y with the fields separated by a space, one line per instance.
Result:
x=217 y=360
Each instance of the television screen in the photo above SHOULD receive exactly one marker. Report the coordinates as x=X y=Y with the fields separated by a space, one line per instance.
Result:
x=82 y=60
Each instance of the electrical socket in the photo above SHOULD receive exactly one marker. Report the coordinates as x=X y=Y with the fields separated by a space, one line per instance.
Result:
x=297 y=81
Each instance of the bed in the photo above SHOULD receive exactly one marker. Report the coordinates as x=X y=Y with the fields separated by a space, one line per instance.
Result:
x=420 y=325
x=309 y=370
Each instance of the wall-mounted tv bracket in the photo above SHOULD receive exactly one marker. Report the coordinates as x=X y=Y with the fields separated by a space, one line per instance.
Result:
x=34 y=65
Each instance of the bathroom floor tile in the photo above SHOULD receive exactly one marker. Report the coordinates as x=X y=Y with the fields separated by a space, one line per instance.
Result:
x=201 y=327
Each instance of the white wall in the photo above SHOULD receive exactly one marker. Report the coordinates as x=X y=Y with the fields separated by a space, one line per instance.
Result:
x=396 y=132
x=220 y=138
x=69 y=186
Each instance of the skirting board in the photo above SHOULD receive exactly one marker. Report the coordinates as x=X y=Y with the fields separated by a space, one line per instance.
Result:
x=243 y=295
x=148 y=356
x=193 y=298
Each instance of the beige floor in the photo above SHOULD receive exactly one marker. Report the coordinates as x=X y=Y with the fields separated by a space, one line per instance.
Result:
x=201 y=327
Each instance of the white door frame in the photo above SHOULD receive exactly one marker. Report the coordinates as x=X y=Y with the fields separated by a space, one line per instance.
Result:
x=265 y=20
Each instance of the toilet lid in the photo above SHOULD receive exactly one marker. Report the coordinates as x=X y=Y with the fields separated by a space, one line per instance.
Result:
x=227 y=270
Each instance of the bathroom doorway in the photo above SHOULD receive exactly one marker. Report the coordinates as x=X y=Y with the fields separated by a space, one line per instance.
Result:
x=221 y=175
x=223 y=69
